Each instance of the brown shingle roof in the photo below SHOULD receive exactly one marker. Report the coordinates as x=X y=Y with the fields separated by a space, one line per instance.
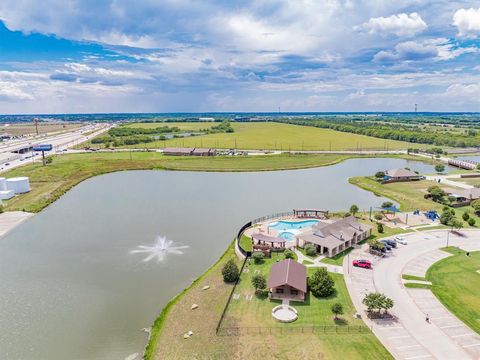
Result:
x=288 y=272
x=400 y=173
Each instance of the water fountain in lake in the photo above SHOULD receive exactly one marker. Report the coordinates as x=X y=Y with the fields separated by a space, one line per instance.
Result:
x=159 y=250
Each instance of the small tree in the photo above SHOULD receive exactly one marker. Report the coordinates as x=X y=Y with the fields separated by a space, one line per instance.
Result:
x=478 y=166
x=456 y=224
x=471 y=221
x=387 y=303
x=379 y=174
x=230 y=271
x=465 y=216
x=259 y=283
x=310 y=250
x=378 y=216
x=289 y=254
x=380 y=228
x=387 y=204
x=354 y=209
x=337 y=309
x=258 y=257
x=439 y=168
x=476 y=205
x=321 y=283
x=436 y=193
x=377 y=302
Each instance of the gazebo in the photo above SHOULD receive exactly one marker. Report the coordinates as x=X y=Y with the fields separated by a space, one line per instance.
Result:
x=310 y=213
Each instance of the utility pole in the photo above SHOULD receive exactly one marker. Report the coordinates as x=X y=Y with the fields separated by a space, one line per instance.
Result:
x=35 y=121
x=416 y=108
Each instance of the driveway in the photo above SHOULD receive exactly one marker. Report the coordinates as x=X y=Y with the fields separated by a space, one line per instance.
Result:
x=407 y=335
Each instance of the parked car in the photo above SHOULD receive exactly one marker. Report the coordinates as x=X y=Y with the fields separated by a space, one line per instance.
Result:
x=401 y=240
x=362 y=263
x=386 y=246
x=391 y=243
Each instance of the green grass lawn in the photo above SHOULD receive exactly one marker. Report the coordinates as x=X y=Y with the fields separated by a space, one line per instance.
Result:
x=413 y=277
x=312 y=312
x=456 y=283
x=246 y=243
x=270 y=135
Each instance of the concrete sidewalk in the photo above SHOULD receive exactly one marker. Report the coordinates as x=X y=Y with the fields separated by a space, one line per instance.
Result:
x=11 y=219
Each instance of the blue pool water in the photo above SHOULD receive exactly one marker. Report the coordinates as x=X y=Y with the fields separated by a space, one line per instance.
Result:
x=288 y=229
x=288 y=225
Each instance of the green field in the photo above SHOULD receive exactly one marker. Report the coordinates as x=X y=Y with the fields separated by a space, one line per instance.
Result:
x=456 y=283
x=181 y=125
x=275 y=136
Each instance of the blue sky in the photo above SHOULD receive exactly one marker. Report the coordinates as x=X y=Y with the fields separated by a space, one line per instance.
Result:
x=59 y=56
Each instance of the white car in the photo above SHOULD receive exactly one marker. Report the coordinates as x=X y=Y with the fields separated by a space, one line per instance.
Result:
x=401 y=240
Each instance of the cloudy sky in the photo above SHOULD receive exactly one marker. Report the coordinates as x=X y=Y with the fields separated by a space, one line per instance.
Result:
x=71 y=56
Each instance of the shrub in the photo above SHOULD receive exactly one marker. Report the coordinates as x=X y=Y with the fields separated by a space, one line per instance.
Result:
x=380 y=228
x=259 y=282
x=230 y=271
x=310 y=250
x=379 y=174
x=476 y=205
x=258 y=257
x=471 y=222
x=387 y=204
x=49 y=159
x=436 y=192
x=321 y=283
x=289 y=254
x=466 y=216
x=439 y=168
x=378 y=216
x=337 y=309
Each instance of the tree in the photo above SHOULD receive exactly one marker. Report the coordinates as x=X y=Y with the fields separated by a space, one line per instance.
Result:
x=387 y=204
x=378 y=216
x=310 y=250
x=476 y=205
x=439 y=168
x=230 y=271
x=289 y=254
x=379 y=174
x=456 y=224
x=337 y=309
x=380 y=228
x=377 y=302
x=448 y=215
x=354 y=209
x=259 y=283
x=258 y=257
x=465 y=216
x=436 y=192
x=471 y=221
x=478 y=166
x=321 y=283
x=387 y=303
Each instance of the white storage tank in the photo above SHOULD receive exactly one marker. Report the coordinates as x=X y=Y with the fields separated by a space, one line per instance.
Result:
x=19 y=185
x=3 y=184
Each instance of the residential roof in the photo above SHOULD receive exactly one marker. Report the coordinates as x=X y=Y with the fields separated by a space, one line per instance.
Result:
x=473 y=193
x=399 y=173
x=333 y=234
x=288 y=272
x=272 y=239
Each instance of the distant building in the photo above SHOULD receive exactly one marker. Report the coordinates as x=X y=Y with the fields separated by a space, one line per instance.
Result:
x=288 y=280
x=467 y=195
x=401 y=175
x=206 y=119
x=331 y=238
x=189 y=152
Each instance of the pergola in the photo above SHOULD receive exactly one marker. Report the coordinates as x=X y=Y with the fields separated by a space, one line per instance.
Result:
x=269 y=240
x=310 y=213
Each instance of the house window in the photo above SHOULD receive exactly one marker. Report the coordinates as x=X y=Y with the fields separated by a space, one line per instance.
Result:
x=294 y=291
x=279 y=290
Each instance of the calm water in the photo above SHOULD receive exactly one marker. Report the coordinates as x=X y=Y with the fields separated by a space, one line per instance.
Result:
x=470 y=157
x=71 y=289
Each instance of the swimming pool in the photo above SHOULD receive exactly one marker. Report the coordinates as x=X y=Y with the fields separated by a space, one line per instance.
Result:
x=288 y=229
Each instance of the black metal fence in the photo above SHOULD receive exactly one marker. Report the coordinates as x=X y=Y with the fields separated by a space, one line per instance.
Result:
x=314 y=329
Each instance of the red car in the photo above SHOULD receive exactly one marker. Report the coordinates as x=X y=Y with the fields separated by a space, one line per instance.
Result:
x=362 y=263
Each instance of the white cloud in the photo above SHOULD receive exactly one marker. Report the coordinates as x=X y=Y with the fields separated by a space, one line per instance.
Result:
x=467 y=22
x=400 y=25
x=407 y=51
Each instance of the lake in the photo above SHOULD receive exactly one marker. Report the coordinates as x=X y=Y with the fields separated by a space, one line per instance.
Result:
x=72 y=289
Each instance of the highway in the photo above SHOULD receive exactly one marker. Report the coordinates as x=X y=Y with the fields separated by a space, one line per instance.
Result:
x=60 y=142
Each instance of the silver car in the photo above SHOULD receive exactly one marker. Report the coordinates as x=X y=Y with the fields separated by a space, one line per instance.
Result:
x=401 y=240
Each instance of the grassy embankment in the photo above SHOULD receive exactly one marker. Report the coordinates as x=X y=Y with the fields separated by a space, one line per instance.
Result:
x=456 y=283
x=50 y=182
x=168 y=342
x=273 y=136
x=410 y=196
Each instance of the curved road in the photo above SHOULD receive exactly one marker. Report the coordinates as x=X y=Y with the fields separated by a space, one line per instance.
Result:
x=409 y=336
